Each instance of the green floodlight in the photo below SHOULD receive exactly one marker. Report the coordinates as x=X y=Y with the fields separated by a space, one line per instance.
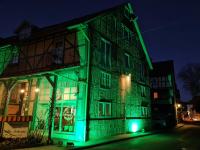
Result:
x=134 y=127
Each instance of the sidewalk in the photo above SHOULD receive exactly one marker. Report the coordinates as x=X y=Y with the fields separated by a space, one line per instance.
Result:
x=117 y=138
x=107 y=140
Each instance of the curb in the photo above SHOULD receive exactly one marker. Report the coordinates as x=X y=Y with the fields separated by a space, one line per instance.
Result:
x=112 y=141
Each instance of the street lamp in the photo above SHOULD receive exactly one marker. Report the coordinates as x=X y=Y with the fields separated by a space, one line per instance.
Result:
x=178 y=105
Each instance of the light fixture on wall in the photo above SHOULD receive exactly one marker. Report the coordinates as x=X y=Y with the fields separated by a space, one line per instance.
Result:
x=37 y=90
x=22 y=91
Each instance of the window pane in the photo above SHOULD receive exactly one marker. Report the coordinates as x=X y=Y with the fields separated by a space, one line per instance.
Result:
x=101 y=109
x=74 y=90
x=73 y=96
x=57 y=118
x=108 y=109
x=67 y=90
x=66 y=96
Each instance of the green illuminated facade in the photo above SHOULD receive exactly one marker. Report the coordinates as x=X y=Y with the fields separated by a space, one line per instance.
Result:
x=88 y=81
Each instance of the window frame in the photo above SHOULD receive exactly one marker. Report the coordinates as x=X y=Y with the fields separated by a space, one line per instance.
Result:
x=105 y=80
x=106 y=52
x=104 y=104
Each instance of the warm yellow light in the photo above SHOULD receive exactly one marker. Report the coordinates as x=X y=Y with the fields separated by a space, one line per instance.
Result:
x=155 y=95
x=125 y=81
x=22 y=91
x=37 y=90
x=178 y=105
x=128 y=79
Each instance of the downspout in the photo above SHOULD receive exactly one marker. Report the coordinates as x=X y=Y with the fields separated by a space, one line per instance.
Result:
x=87 y=96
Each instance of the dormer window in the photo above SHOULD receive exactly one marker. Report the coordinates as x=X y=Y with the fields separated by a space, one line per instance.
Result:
x=25 y=33
x=24 y=30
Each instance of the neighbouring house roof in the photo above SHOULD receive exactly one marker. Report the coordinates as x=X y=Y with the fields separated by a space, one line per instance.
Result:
x=163 y=68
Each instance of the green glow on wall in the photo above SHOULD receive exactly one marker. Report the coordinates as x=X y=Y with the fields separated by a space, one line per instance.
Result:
x=140 y=37
x=6 y=53
x=143 y=44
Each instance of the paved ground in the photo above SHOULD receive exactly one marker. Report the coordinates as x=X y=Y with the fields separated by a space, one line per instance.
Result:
x=184 y=138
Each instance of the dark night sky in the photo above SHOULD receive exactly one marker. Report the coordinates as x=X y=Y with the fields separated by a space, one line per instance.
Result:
x=170 y=27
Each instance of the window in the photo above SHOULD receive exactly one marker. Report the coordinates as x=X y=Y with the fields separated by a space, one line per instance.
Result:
x=70 y=92
x=18 y=99
x=127 y=60
x=105 y=53
x=160 y=82
x=104 y=109
x=58 y=52
x=15 y=57
x=144 y=111
x=155 y=95
x=45 y=91
x=154 y=83
x=105 y=80
x=67 y=90
x=142 y=70
x=64 y=118
x=143 y=91
x=65 y=109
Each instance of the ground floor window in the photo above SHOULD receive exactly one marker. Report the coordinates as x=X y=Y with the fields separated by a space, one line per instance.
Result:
x=64 y=120
x=144 y=111
x=104 y=109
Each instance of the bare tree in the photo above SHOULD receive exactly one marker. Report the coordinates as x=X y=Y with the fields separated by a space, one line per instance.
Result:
x=190 y=75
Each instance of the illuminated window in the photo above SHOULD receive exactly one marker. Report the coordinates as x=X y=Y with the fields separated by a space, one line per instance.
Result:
x=105 y=80
x=104 y=109
x=105 y=53
x=67 y=90
x=64 y=118
x=18 y=98
x=155 y=95
x=46 y=90
x=70 y=93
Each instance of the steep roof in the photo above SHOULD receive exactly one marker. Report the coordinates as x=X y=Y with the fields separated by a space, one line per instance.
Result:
x=55 y=28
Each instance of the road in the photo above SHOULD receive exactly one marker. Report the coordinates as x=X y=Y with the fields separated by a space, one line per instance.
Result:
x=184 y=138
